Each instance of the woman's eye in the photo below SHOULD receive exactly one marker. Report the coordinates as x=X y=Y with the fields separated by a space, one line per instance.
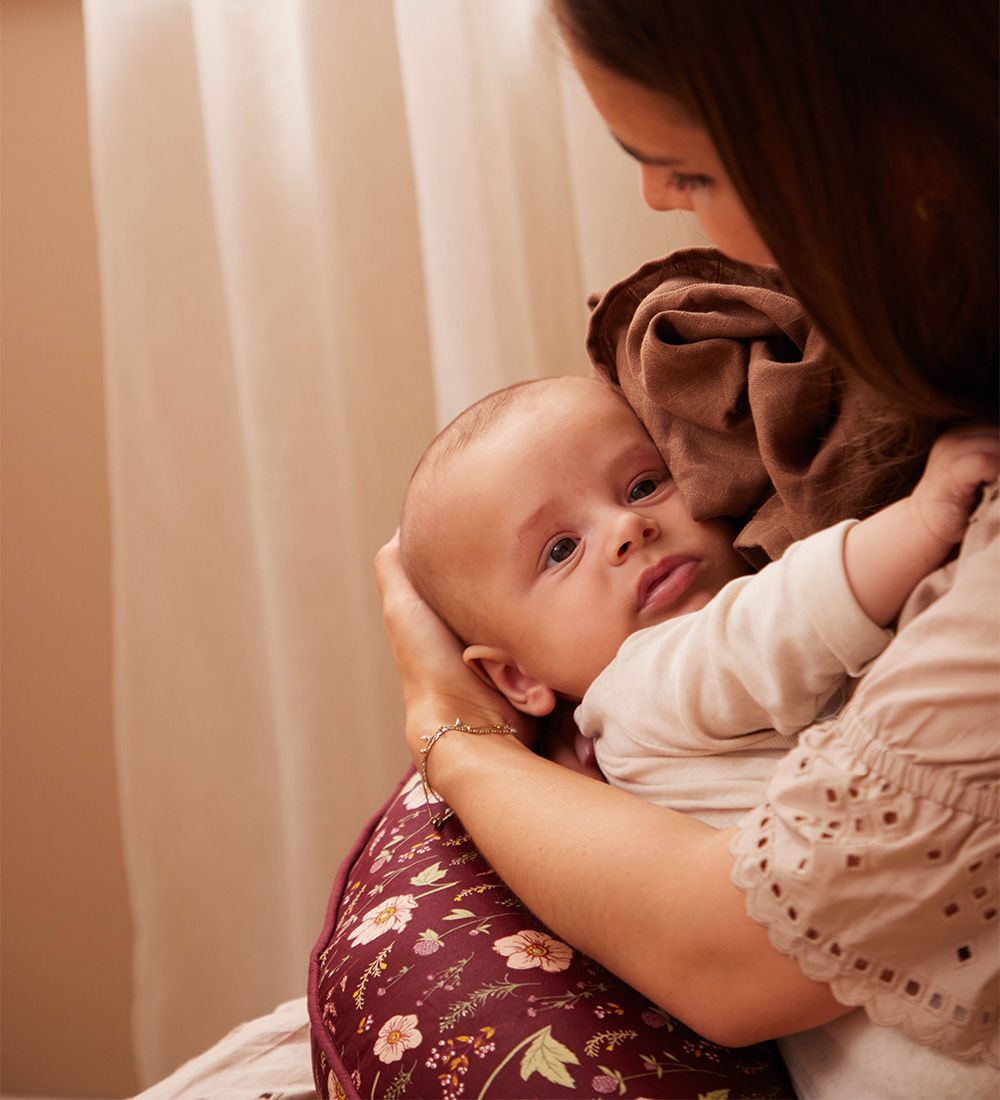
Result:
x=695 y=182
x=641 y=489
x=561 y=550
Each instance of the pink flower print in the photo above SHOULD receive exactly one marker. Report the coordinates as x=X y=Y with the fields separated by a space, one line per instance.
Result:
x=604 y=1084
x=655 y=1017
x=397 y=1034
x=391 y=915
x=376 y=840
x=529 y=949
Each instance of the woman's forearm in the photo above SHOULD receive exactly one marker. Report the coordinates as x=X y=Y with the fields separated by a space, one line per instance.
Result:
x=643 y=890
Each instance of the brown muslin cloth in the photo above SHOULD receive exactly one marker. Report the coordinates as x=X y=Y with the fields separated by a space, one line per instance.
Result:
x=741 y=395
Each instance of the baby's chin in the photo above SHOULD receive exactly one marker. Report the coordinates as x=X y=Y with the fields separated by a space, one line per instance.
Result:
x=570 y=691
x=575 y=686
x=693 y=601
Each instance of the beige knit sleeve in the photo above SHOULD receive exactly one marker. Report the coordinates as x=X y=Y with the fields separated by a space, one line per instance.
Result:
x=766 y=653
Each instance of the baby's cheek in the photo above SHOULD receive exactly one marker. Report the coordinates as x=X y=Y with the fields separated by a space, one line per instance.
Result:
x=605 y=651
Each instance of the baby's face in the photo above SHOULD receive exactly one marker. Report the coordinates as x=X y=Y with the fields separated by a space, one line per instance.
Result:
x=572 y=535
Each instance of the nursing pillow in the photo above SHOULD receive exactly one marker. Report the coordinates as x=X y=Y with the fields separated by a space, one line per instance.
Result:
x=431 y=979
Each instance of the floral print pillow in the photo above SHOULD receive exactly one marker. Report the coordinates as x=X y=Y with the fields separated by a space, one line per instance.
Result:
x=431 y=979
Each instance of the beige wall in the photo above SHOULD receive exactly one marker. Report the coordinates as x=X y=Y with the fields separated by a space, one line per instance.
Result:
x=66 y=935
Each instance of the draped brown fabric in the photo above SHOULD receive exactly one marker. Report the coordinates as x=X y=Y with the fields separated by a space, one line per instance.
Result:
x=754 y=418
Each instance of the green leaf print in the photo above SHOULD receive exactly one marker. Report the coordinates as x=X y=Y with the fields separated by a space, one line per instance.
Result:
x=548 y=1056
x=544 y=1055
x=428 y=876
x=477 y=998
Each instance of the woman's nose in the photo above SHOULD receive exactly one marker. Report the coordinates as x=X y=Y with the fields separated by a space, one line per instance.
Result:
x=631 y=531
x=658 y=191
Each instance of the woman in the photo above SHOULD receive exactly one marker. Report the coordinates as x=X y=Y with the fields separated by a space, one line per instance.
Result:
x=854 y=145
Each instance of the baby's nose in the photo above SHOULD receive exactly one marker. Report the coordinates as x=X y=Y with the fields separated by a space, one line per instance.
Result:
x=632 y=534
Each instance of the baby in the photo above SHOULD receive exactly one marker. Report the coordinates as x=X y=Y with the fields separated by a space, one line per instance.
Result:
x=542 y=525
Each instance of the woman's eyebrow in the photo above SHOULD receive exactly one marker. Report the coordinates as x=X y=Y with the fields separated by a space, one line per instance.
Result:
x=643 y=158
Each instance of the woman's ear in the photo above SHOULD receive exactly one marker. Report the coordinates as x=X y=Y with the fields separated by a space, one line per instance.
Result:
x=498 y=668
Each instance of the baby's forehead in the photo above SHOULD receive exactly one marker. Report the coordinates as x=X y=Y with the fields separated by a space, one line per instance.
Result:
x=561 y=439
x=563 y=402
x=546 y=424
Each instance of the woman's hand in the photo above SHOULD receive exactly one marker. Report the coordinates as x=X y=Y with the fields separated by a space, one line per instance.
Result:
x=437 y=685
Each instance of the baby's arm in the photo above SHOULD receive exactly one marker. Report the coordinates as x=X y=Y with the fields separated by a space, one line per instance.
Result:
x=771 y=649
x=766 y=653
x=888 y=554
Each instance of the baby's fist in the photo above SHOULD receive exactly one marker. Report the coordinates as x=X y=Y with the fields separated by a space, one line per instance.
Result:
x=960 y=463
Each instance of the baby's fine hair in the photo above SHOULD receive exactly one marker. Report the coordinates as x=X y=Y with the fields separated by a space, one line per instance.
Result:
x=423 y=525
x=424 y=536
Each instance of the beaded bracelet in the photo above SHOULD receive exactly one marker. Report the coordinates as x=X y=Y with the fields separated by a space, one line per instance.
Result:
x=430 y=740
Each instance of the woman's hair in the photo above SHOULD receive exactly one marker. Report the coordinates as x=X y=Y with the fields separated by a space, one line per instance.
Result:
x=861 y=136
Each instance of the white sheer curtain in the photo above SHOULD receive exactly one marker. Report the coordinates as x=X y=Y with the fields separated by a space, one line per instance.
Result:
x=324 y=228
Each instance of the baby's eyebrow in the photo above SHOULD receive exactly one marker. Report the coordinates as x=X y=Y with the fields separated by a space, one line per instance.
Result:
x=526 y=529
x=639 y=451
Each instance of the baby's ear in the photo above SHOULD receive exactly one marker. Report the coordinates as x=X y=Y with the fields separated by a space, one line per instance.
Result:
x=498 y=668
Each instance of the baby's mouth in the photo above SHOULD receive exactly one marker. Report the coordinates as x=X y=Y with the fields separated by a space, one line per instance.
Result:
x=663 y=584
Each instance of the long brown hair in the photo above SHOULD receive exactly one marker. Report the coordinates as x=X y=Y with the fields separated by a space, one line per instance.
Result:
x=861 y=136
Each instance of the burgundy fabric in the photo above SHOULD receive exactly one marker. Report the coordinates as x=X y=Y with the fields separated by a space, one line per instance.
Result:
x=430 y=979
x=753 y=417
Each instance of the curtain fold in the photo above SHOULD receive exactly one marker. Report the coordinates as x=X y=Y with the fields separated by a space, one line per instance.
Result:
x=323 y=230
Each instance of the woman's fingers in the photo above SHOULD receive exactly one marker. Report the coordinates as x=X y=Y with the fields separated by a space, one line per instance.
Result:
x=437 y=685
x=425 y=650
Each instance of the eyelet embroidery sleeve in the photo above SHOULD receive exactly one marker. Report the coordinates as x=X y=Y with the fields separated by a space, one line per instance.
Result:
x=874 y=859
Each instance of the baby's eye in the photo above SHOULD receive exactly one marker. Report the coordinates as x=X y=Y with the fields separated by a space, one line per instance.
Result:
x=561 y=550
x=644 y=488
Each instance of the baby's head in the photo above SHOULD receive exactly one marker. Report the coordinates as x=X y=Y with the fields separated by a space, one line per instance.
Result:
x=543 y=527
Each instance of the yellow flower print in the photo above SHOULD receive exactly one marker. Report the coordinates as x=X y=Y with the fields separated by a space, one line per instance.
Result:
x=396 y=1035
x=529 y=949
x=390 y=915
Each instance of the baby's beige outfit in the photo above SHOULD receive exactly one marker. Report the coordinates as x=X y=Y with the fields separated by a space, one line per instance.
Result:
x=873 y=857
x=726 y=690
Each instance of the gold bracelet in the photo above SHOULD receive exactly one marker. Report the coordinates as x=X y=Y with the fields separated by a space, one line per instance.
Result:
x=430 y=740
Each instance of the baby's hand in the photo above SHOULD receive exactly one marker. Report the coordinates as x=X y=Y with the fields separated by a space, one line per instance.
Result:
x=560 y=742
x=960 y=463
x=889 y=553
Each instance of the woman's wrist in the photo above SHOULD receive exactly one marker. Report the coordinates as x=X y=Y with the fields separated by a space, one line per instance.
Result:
x=430 y=740
x=456 y=753
x=427 y=709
